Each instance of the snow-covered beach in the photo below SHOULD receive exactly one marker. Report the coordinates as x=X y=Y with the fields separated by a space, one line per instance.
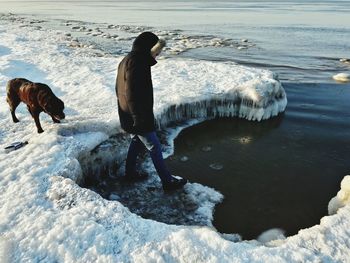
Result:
x=46 y=216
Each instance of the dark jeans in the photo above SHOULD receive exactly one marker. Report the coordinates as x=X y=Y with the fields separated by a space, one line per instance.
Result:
x=152 y=144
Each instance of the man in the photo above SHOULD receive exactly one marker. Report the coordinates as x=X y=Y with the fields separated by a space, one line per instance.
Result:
x=135 y=107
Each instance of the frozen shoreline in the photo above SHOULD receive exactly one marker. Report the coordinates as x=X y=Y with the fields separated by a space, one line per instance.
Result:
x=47 y=216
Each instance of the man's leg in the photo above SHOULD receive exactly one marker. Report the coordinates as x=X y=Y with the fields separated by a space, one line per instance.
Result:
x=151 y=142
x=135 y=148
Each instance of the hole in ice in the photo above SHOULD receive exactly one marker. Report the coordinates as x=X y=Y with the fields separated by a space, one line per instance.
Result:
x=279 y=173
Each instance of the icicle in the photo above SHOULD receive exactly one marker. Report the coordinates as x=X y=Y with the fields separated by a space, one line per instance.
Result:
x=233 y=106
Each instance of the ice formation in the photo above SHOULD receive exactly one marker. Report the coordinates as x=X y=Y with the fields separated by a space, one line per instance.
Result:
x=342 y=198
x=257 y=96
x=342 y=77
x=46 y=216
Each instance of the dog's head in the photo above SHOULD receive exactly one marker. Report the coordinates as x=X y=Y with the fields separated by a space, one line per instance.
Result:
x=49 y=102
x=54 y=107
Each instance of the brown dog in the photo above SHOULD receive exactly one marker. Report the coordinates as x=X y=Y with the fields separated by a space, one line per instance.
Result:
x=38 y=97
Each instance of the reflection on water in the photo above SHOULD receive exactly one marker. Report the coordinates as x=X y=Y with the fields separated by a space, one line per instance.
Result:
x=276 y=173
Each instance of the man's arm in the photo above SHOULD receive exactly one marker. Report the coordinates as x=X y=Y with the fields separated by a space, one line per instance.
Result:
x=136 y=74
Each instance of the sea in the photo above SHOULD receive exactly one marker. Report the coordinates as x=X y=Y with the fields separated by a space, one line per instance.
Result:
x=279 y=173
x=301 y=40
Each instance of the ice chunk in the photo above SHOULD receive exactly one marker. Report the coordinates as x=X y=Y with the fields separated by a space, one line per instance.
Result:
x=206 y=149
x=184 y=159
x=342 y=77
x=245 y=140
x=232 y=237
x=114 y=196
x=271 y=235
x=216 y=166
x=342 y=198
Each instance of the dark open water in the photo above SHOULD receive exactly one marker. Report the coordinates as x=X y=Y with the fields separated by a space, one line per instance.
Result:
x=276 y=173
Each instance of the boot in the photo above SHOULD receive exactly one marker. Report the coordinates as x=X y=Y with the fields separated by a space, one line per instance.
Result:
x=174 y=184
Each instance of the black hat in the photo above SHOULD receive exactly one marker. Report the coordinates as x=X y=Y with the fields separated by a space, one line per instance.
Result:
x=145 y=41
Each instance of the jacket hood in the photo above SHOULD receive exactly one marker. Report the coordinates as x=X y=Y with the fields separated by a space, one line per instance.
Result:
x=144 y=42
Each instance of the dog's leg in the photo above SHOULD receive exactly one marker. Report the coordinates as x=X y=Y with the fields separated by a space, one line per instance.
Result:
x=14 y=118
x=35 y=115
x=30 y=111
x=13 y=105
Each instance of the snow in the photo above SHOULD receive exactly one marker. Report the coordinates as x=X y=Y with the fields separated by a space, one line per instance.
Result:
x=46 y=216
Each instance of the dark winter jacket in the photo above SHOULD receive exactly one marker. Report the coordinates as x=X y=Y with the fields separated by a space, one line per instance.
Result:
x=134 y=86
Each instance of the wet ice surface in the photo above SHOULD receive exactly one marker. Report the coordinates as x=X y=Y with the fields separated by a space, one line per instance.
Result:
x=103 y=170
x=148 y=200
x=277 y=173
